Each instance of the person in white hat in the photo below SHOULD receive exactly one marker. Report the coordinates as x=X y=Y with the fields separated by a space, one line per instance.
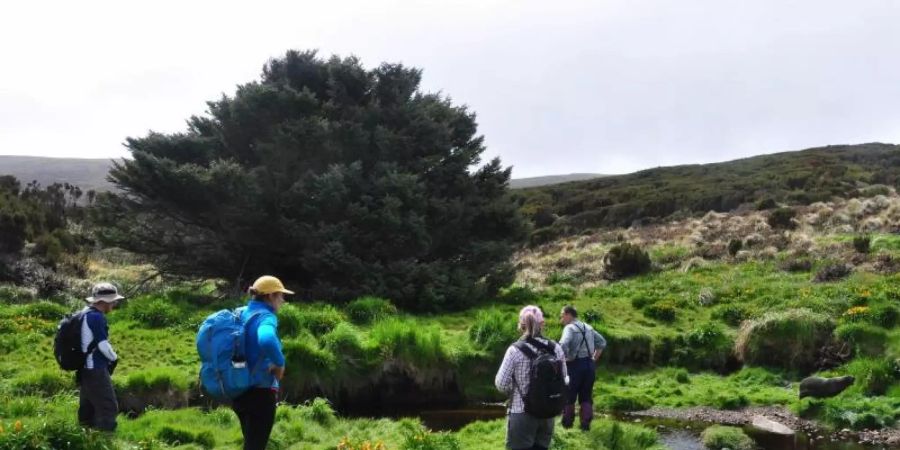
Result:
x=97 y=406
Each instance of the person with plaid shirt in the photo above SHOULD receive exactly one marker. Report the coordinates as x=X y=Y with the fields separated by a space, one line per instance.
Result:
x=524 y=432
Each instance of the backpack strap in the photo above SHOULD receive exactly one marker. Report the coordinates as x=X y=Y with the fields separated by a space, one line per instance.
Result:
x=525 y=349
x=549 y=347
x=82 y=316
x=584 y=338
x=250 y=319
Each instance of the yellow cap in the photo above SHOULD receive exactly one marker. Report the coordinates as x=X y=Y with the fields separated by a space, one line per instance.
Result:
x=268 y=284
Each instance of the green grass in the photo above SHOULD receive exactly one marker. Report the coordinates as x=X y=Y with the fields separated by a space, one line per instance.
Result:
x=678 y=362
x=718 y=437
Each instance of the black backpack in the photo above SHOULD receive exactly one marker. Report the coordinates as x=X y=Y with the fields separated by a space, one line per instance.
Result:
x=67 y=344
x=546 y=394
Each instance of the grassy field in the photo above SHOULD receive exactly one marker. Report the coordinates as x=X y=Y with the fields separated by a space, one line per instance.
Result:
x=726 y=333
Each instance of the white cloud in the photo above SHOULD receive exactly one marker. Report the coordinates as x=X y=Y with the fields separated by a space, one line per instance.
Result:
x=572 y=86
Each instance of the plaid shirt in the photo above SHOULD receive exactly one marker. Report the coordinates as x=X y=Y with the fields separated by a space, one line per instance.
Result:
x=512 y=379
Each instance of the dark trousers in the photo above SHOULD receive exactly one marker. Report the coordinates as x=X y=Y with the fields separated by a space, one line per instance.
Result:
x=582 y=374
x=97 y=405
x=256 y=411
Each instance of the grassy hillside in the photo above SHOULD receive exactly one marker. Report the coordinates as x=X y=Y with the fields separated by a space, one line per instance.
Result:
x=85 y=173
x=704 y=327
x=801 y=177
x=521 y=183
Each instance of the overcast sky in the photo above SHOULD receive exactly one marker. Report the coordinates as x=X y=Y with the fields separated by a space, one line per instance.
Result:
x=559 y=87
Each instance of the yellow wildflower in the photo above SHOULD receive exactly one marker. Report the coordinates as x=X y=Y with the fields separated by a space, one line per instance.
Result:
x=18 y=426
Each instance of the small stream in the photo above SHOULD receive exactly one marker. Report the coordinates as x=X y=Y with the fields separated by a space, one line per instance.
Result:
x=676 y=435
x=681 y=435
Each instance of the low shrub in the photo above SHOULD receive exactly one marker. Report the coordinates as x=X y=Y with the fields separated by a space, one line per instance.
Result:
x=782 y=218
x=796 y=265
x=409 y=341
x=874 y=376
x=731 y=400
x=641 y=301
x=153 y=312
x=305 y=354
x=614 y=435
x=44 y=310
x=45 y=383
x=558 y=277
x=704 y=347
x=766 y=203
x=366 y=310
x=518 y=295
x=493 y=330
x=316 y=318
x=318 y=410
x=417 y=437
x=734 y=246
x=181 y=436
x=862 y=244
x=156 y=380
x=626 y=347
x=731 y=314
x=592 y=316
x=787 y=339
x=560 y=293
x=718 y=437
x=663 y=311
x=866 y=339
x=859 y=413
x=833 y=271
x=345 y=342
x=622 y=402
x=756 y=376
x=12 y=294
x=54 y=434
x=886 y=315
x=625 y=260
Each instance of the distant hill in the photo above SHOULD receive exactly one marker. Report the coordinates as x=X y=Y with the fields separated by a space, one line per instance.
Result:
x=799 y=177
x=85 y=173
x=521 y=183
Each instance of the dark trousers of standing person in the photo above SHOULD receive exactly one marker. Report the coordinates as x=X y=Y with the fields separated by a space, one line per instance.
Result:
x=97 y=405
x=256 y=411
x=582 y=373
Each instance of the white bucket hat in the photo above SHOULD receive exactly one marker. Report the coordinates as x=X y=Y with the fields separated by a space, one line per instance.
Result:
x=104 y=292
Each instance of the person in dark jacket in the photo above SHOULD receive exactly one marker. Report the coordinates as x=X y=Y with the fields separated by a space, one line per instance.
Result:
x=256 y=407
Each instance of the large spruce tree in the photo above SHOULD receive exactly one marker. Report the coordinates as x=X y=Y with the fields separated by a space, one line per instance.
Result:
x=343 y=180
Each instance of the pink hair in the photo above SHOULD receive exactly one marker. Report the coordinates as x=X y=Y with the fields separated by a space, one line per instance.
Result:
x=531 y=321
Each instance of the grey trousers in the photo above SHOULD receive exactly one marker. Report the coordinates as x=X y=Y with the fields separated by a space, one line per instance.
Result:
x=97 y=407
x=526 y=432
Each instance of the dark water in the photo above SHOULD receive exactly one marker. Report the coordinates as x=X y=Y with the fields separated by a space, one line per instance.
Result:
x=676 y=435
x=680 y=435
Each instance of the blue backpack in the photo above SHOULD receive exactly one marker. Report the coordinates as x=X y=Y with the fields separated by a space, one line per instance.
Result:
x=223 y=362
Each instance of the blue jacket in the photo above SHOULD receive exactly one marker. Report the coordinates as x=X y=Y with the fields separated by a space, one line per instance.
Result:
x=262 y=344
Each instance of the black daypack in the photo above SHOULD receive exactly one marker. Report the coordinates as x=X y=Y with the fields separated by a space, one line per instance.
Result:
x=546 y=394
x=67 y=344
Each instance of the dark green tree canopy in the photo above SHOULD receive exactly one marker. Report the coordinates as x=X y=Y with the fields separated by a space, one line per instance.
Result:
x=343 y=180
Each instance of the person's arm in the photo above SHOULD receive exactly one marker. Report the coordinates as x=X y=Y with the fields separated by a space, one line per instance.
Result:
x=565 y=341
x=269 y=344
x=599 y=344
x=504 y=379
x=98 y=326
x=565 y=370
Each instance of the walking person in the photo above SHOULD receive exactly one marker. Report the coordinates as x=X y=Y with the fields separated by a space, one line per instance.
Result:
x=533 y=375
x=583 y=346
x=255 y=408
x=97 y=405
